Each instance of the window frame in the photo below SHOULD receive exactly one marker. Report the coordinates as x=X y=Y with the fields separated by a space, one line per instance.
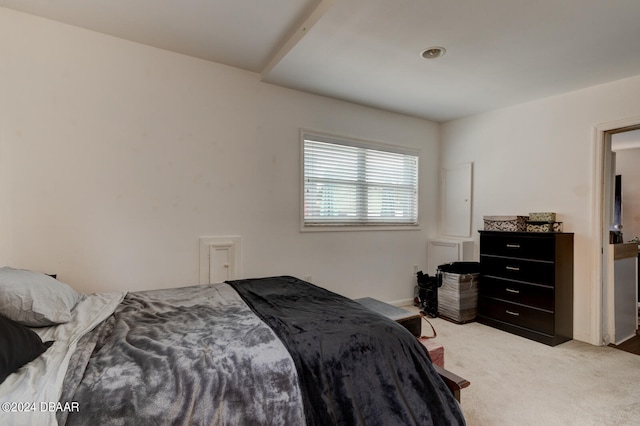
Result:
x=359 y=143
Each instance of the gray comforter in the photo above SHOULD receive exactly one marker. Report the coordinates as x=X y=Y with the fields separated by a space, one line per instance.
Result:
x=192 y=356
x=286 y=353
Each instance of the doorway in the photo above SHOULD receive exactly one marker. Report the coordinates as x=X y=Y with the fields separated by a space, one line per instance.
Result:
x=602 y=218
x=626 y=147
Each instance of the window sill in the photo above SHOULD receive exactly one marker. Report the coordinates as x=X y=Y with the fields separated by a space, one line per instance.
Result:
x=347 y=228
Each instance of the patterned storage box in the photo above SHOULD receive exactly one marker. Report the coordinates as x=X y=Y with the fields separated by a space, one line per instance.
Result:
x=542 y=217
x=505 y=223
x=539 y=226
x=544 y=226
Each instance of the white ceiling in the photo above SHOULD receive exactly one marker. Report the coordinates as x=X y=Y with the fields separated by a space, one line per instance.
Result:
x=499 y=52
x=626 y=140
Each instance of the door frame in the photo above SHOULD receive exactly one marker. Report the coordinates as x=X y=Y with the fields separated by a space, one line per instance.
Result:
x=600 y=307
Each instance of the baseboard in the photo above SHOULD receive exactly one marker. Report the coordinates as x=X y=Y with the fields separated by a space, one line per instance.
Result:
x=586 y=338
x=401 y=302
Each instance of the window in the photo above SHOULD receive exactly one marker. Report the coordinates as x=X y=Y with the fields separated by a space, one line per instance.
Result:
x=349 y=183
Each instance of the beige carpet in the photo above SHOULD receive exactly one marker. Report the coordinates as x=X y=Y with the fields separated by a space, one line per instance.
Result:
x=516 y=381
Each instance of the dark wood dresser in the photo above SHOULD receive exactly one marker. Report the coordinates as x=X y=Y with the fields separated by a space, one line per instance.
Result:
x=526 y=284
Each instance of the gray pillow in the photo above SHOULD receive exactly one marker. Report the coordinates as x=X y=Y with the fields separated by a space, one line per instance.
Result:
x=34 y=299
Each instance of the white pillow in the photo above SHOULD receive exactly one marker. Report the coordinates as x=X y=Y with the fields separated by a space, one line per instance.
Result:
x=34 y=299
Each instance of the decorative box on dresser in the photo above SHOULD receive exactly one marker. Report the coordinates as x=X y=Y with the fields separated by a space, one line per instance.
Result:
x=526 y=284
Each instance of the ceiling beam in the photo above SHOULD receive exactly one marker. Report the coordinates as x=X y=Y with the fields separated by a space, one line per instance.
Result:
x=301 y=30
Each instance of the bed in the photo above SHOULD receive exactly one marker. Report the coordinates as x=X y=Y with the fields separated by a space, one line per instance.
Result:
x=267 y=351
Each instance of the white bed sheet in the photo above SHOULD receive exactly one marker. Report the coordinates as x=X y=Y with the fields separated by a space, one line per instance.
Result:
x=26 y=396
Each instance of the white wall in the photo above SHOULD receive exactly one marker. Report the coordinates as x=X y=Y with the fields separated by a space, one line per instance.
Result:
x=115 y=157
x=539 y=156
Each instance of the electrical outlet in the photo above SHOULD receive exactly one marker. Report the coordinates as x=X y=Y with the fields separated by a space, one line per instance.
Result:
x=415 y=269
x=308 y=278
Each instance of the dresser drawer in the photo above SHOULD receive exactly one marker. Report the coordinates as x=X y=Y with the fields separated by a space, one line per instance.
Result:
x=523 y=316
x=532 y=271
x=526 y=294
x=540 y=247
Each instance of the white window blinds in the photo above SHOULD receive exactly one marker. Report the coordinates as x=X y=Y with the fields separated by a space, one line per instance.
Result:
x=354 y=183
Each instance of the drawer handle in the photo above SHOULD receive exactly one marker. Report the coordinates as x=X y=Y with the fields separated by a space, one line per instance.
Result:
x=513 y=245
x=512 y=268
x=515 y=314
x=510 y=290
